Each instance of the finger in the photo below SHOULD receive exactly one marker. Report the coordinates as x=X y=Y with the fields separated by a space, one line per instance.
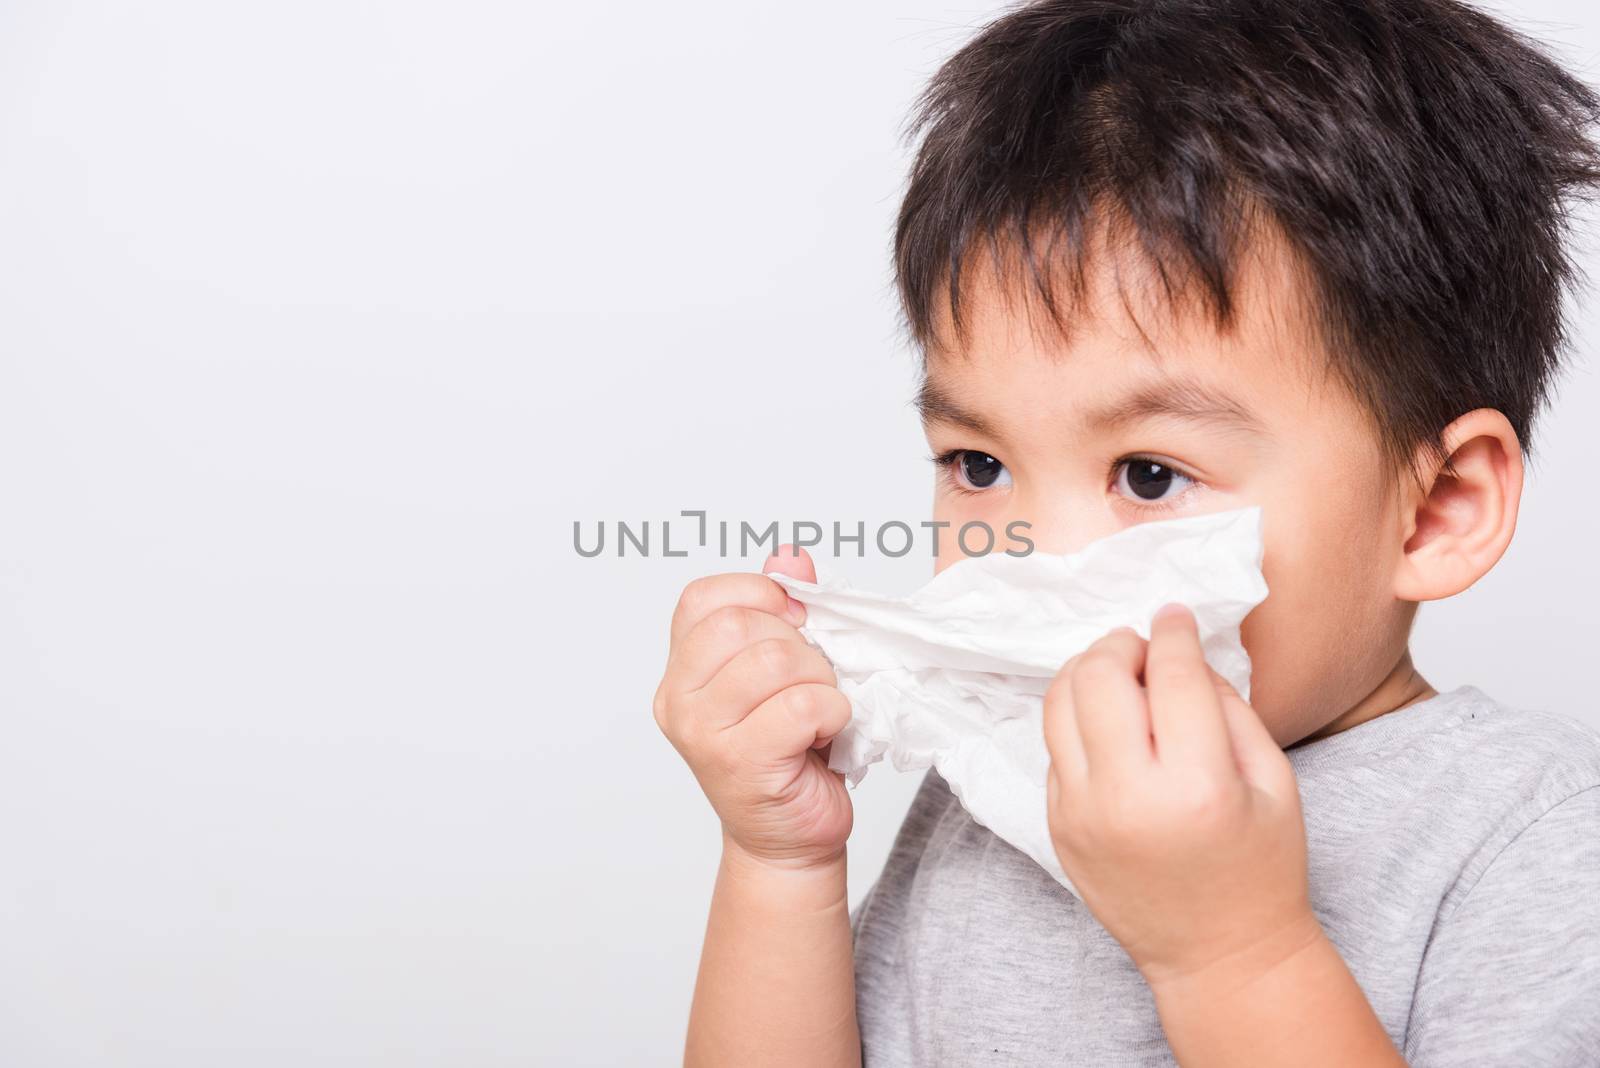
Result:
x=1061 y=735
x=1185 y=712
x=1112 y=716
x=754 y=674
x=789 y=722
x=720 y=637
x=795 y=562
x=1258 y=756
x=741 y=589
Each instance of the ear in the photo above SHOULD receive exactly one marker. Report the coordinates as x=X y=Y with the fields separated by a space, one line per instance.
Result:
x=1459 y=526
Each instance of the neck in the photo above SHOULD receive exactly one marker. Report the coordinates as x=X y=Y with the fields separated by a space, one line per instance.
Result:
x=1401 y=687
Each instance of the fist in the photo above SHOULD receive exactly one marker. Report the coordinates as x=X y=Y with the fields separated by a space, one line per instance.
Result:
x=751 y=707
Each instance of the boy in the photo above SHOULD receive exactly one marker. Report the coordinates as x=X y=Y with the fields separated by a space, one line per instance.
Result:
x=1164 y=258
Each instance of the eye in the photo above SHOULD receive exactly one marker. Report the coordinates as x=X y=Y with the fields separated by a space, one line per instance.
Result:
x=971 y=470
x=1140 y=479
x=979 y=470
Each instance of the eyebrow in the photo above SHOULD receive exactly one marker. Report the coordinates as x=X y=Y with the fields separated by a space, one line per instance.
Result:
x=1176 y=398
x=934 y=405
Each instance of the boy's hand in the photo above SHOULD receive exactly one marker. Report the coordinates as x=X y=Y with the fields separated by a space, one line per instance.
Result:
x=1173 y=811
x=749 y=704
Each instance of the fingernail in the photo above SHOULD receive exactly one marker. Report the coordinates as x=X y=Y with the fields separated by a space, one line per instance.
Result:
x=1171 y=610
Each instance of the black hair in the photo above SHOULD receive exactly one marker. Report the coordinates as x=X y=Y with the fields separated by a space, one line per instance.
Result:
x=1420 y=158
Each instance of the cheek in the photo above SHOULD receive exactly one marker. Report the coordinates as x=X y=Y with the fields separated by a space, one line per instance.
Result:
x=1325 y=547
x=1312 y=637
x=955 y=510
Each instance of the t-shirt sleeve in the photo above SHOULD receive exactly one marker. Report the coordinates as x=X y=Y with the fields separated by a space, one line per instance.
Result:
x=1512 y=976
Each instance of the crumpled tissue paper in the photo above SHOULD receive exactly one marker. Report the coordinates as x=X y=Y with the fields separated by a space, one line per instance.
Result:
x=954 y=675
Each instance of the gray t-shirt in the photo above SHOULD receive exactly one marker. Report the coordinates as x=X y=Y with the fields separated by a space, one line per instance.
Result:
x=1454 y=851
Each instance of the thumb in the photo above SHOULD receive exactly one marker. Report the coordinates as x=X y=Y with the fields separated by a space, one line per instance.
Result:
x=792 y=561
x=796 y=563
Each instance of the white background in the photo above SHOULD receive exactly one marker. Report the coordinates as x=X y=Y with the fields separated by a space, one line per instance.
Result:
x=320 y=324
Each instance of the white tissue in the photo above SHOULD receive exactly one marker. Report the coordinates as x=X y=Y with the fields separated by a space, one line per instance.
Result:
x=954 y=675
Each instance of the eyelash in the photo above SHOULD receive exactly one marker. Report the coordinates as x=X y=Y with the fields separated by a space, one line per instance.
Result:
x=1167 y=505
x=946 y=462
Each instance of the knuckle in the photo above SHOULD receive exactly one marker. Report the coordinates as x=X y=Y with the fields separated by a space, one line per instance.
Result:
x=818 y=668
x=659 y=706
x=1179 y=676
x=773 y=596
x=695 y=599
x=1202 y=799
x=802 y=704
x=1099 y=658
x=774 y=656
x=1096 y=665
x=1111 y=639
x=837 y=708
x=730 y=624
x=686 y=730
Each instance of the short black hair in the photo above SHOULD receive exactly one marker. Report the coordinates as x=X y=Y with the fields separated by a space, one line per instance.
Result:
x=1420 y=158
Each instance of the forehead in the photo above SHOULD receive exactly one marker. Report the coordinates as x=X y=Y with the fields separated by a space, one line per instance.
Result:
x=1128 y=330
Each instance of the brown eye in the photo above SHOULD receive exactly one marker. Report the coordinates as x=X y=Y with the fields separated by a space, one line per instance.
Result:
x=1149 y=480
x=979 y=470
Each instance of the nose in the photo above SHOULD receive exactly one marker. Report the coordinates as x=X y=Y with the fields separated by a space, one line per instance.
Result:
x=1063 y=525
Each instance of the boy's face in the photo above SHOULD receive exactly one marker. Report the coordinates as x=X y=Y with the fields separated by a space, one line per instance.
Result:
x=1084 y=436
